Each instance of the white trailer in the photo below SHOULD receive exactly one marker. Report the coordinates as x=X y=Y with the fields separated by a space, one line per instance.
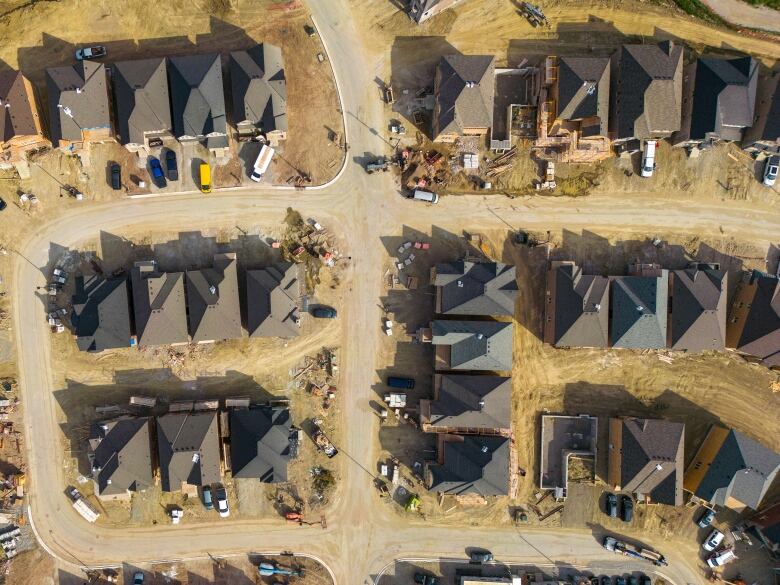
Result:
x=262 y=162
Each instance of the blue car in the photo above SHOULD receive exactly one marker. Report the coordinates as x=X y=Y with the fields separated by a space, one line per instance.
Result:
x=157 y=173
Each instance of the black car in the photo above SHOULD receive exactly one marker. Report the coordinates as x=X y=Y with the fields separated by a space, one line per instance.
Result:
x=116 y=177
x=626 y=510
x=480 y=556
x=324 y=313
x=3 y=204
x=610 y=505
x=645 y=580
x=706 y=518
x=425 y=579
x=170 y=165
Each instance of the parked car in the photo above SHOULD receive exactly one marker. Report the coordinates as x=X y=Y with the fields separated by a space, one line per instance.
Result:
x=648 y=158
x=96 y=52
x=425 y=579
x=626 y=508
x=611 y=505
x=605 y=580
x=116 y=177
x=208 y=501
x=309 y=30
x=706 y=518
x=480 y=556
x=3 y=204
x=713 y=540
x=170 y=165
x=645 y=580
x=324 y=313
x=157 y=173
x=721 y=558
x=619 y=580
x=770 y=170
x=138 y=578
x=222 y=502
x=398 y=382
x=632 y=580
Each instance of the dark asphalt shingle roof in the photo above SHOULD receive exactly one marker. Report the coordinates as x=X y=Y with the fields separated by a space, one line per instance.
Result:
x=159 y=305
x=259 y=87
x=476 y=465
x=581 y=308
x=120 y=455
x=583 y=89
x=197 y=95
x=743 y=470
x=260 y=443
x=188 y=445
x=141 y=98
x=272 y=301
x=476 y=345
x=761 y=333
x=464 y=89
x=82 y=91
x=212 y=301
x=698 y=311
x=639 y=311
x=101 y=313
x=724 y=97
x=483 y=288
x=473 y=401
x=18 y=119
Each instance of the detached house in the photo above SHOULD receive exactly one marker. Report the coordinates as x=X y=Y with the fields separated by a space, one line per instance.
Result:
x=470 y=464
x=697 y=308
x=21 y=130
x=272 y=301
x=471 y=288
x=464 y=90
x=213 y=311
x=120 y=455
x=143 y=108
x=260 y=443
x=638 y=308
x=188 y=446
x=79 y=112
x=719 y=102
x=647 y=96
x=259 y=92
x=472 y=345
x=101 y=313
x=753 y=326
x=159 y=305
x=198 y=100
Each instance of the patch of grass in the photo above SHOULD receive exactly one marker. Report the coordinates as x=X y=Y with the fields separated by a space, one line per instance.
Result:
x=698 y=9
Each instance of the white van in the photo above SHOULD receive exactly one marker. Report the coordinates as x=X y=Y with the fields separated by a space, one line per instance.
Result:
x=421 y=195
x=262 y=162
x=721 y=558
x=648 y=158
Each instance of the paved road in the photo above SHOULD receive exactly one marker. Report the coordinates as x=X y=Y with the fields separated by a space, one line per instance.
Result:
x=741 y=13
x=362 y=535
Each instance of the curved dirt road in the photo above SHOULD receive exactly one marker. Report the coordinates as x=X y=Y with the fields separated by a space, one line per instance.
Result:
x=743 y=14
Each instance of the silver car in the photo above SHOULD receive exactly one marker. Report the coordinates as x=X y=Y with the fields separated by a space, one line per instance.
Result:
x=770 y=170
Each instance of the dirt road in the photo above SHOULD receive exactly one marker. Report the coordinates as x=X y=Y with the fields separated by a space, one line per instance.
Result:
x=743 y=14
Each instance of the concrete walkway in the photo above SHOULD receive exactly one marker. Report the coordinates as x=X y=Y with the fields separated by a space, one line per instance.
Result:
x=741 y=13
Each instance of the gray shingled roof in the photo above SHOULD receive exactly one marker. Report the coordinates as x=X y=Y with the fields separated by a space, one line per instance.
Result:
x=141 y=98
x=188 y=445
x=698 y=311
x=469 y=288
x=743 y=469
x=649 y=92
x=272 y=301
x=473 y=401
x=260 y=443
x=581 y=316
x=464 y=89
x=212 y=301
x=159 y=305
x=475 y=465
x=101 y=313
x=120 y=455
x=197 y=95
x=652 y=458
x=583 y=89
x=259 y=87
x=761 y=333
x=475 y=345
x=18 y=119
x=639 y=311
x=81 y=91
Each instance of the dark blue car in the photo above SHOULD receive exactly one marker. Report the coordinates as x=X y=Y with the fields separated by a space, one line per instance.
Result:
x=157 y=173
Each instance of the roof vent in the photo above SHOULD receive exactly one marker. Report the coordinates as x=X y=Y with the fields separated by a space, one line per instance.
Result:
x=108 y=482
x=597 y=306
x=480 y=336
x=460 y=284
x=481 y=404
x=484 y=449
x=213 y=289
x=659 y=467
x=78 y=90
x=640 y=308
x=592 y=89
x=195 y=457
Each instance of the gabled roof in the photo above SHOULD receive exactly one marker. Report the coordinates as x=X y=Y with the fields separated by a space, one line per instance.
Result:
x=464 y=90
x=469 y=288
x=473 y=465
x=649 y=94
x=159 y=305
x=78 y=100
x=651 y=458
x=188 y=445
x=581 y=308
x=639 y=311
x=141 y=96
x=698 y=311
x=272 y=301
x=740 y=472
x=197 y=96
x=260 y=443
x=475 y=345
x=761 y=332
x=472 y=401
x=724 y=97
x=17 y=113
x=259 y=87
x=101 y=313
x=583 y=89
x=120 y=455
x=212 y=301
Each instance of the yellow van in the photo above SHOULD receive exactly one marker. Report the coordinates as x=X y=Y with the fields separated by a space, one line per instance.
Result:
x=205 y=177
